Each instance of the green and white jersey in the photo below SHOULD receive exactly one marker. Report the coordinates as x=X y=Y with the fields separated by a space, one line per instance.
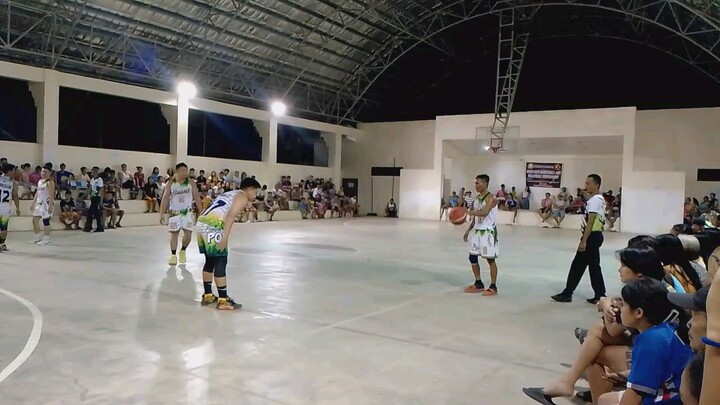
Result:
x=181 y=197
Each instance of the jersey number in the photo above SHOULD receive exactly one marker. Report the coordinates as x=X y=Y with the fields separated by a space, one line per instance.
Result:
x=4 y=196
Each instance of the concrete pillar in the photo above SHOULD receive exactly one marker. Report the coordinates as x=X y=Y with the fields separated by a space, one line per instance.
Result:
x=180 y=149
x=172 y=116
x=47 y=102
x=268 y=132
x=334 y=143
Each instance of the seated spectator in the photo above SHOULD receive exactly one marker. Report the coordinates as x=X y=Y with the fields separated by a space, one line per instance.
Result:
x=112 y=208
x=111 y=182
x=201 y=181
x=545 y=210
x=191 y=174
x=390 y=209
x=139 y=178
x=151 y=197
x=321 y=207
x=659 y=356
x=696 y=304
x=271 y=205
x=335 y=206
x=81 y=206
x=304 y=208
x=679 y=272
x=563 y=193
x=82 y=183
x=34 y=178
x=249 y=213
x=62 y=180
x=296 y=194
x=154 y=175
x=127 y=181
x=160 y=189
x=578 y=205
x=468 y=200
x=69 y=215
x=501 y=196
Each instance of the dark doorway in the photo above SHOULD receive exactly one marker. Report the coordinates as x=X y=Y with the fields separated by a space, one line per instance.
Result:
x=350 y=187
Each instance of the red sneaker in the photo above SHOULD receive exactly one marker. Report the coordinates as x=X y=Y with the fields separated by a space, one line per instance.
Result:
x=473 y=289
x=490 y=292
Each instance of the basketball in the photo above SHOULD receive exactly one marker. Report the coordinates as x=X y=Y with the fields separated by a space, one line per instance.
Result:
x=457 y=216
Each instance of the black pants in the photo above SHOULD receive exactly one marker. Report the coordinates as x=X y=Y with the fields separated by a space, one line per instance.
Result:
x=94 y=214
x=589 y=258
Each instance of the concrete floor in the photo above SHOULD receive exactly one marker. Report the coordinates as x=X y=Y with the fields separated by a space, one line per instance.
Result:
x=366 y=311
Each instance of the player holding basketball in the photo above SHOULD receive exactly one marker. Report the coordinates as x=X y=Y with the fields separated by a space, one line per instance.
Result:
x=482 y=235
x=8 y=191
x=213 y=228
x=177 y=200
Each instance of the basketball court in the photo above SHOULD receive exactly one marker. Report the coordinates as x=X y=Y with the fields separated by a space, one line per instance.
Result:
x=342 y=312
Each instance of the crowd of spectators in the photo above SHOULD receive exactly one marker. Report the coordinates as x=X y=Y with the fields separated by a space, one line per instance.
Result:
x=313 y=197
x=552 y=207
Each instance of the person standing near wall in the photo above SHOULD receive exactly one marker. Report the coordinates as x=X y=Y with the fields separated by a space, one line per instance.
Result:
x=8 y=192
x=43 y=205
x=588 y=250
x=96 y=190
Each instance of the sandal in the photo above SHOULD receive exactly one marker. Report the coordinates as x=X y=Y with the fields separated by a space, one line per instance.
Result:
x=538 y=395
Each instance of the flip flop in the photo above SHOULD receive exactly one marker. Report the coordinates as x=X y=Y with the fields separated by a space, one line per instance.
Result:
x=581 y=334
x=538 y=395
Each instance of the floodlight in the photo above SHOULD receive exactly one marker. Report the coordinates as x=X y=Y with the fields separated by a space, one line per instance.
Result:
x=278 y=108
x=186 y=90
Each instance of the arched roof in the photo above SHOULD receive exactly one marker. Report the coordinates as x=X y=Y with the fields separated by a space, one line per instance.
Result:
x=323 y=56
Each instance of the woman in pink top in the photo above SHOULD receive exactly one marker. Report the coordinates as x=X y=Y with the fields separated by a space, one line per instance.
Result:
x=545 y=208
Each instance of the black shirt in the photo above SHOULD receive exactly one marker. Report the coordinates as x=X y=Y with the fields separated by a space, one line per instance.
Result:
x=66 y=206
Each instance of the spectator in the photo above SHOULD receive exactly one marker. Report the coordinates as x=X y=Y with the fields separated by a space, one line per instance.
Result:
x=154 y=175
x=545 y=210
x=94 y=213
x=558 y=210
x=62 y=179
x=69 y=215
x=501 y=196
x=525 y=198
x=692 y=378
x=112 y=208
x=151 y=197
x=390 y=209
x=139 y=178
x=201 y=180
x=127 y=182
x=304 y=208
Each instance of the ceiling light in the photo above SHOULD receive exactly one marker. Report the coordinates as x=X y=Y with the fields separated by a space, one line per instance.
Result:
x=186 y=90
x=278 y=108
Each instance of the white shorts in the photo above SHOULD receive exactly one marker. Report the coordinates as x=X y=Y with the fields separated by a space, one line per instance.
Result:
x=484 y=243
x=41 y=210
x=177 y=222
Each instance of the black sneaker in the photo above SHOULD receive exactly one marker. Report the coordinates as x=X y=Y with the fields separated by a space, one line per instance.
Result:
x=594 y=300
x=562 y=297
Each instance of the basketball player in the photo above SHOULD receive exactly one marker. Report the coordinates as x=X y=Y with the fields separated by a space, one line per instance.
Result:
x=177 y=200
x=483 y=239
x=588 y=250
x=8 y=190
x=43 y=205
x=213 y=228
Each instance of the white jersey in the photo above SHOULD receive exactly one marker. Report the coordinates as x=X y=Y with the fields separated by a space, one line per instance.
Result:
x=489 y=221
x=218 y=210
x=43 y=194
x=6 y=194
x=181 y=197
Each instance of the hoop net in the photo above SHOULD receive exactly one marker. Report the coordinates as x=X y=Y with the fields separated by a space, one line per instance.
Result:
x=495 y=149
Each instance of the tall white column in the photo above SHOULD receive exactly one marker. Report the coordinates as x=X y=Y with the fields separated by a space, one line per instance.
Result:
x=180 y=149
x=172 y=116
x=334 y=143
x=268 y=132
x=47 y=102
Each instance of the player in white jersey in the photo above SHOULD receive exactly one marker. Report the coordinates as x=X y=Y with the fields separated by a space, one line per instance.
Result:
x=177 y=200
x=213 y=228
x=483 y=236
x=43 y=206
x=8 y=191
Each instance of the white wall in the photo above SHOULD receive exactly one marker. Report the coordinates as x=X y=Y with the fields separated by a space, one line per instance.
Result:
x=679 y=140
x=416 y=190
x=409 y=143
x=510 y=170
x=655 y=200
x=21 y=152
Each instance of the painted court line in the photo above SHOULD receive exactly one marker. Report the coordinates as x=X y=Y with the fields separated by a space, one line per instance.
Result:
x=32 y=341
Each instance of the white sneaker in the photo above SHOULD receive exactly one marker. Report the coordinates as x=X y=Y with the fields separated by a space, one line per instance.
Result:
x=43 y=241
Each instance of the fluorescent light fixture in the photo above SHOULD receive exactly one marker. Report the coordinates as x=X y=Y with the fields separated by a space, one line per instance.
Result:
x=186 y=90
x=278 y=108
